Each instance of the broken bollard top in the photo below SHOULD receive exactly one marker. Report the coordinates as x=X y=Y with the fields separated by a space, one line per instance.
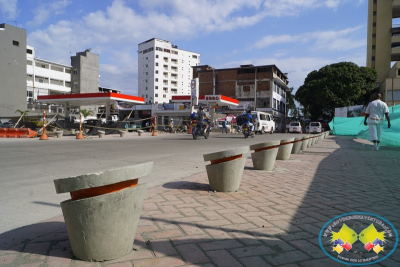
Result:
x=226 y=153
x=97 y=180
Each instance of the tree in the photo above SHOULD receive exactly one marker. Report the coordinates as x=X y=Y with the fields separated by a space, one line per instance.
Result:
x=337 y=85
x=292 y=109
x=86 y=113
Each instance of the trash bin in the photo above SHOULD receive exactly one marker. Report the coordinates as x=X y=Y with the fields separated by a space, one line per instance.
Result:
x=104 y=211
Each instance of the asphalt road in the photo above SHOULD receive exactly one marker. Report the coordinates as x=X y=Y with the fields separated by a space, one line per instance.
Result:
x=29 y=166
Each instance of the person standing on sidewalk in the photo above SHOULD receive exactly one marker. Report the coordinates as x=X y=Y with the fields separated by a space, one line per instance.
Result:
x=375 y=113
x=224 y=126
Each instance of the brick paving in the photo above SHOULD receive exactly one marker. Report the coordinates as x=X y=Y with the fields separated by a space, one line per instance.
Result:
x=273 y=220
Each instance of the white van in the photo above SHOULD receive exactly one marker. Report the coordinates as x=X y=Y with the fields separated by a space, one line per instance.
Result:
x=264 y=122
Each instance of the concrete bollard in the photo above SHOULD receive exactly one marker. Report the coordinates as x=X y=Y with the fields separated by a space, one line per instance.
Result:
x=59 y=134
x=285 y=149
x=122 y=133
x=310 y=140
x=140 y=132
x=304 y=143
x=73 y=131
x=101 y=134
x=226 y=169
x=264 y=155
x=297 y=145
x=104 y=211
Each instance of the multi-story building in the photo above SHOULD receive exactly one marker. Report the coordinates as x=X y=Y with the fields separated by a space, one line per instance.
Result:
x=24 y=77
x=12 y=70
x=243 y=83
x=164 y=70
x=383 y=46
x=45 y=77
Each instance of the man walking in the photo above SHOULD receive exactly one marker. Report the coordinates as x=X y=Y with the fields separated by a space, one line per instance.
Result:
x=375 y=113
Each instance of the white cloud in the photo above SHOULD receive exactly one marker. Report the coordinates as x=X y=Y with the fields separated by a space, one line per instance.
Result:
x=45 y=10
x=8 y=8
x=341 y=40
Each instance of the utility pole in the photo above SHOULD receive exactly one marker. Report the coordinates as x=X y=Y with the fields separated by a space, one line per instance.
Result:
x=255 y=89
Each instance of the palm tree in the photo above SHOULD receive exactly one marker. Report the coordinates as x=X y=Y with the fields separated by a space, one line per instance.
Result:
x=23 y=114
x=86 y=113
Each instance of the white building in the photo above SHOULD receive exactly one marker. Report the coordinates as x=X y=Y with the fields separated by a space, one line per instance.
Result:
x=164 y=70
x=45 y=77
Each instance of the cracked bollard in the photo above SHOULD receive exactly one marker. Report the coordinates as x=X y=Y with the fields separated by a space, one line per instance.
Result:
x=297 y=145
x=285 y=149
x=104 y=211
x=226 y=169
x=264 y=155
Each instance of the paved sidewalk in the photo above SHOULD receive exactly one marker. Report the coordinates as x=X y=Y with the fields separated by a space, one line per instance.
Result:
x=273 y=220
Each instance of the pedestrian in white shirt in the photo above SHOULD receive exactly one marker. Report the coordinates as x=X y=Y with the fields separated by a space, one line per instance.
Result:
x=376 y=112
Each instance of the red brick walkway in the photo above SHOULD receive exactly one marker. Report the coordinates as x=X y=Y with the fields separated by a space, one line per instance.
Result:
x=273 y=220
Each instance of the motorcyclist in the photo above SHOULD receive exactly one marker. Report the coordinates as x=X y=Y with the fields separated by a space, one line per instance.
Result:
x=203 y=118
x=249 y=119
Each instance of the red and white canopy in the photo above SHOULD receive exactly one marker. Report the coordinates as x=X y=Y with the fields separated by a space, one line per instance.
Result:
x=90 y=98
x=219 y=100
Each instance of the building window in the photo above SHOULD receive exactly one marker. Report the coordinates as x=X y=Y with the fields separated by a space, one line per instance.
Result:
x=29 y=51
x=75 y=71
x=156 y=64
x=75 y=85
x=156 y=79
x=156 y=87
x=156 y=56
x=156 y=71
x=16 y=43
x=146 y=96
x=374 y=13
x=374 y=35
x=373 y=58
x=146 y=88
x=156 y=95
x=374 y=24
x=194 y=56
x=164 y=96
x=373 y=47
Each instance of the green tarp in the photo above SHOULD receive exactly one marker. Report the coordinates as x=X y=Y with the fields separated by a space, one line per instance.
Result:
x=355 y=126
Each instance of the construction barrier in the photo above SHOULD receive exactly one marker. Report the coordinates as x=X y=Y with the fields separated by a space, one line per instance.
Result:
x=17 y=133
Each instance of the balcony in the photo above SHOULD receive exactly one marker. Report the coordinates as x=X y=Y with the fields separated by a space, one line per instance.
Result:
x=395 y=56
x=396 y=8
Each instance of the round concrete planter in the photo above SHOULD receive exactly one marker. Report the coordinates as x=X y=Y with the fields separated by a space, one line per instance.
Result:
x=101 y=134
x=103 y=226
x=285 y=149
x=226 y=169
x=310 y=140
x=304 y=143
x=59 y=134
x=122 y=133
x=140 y=132
x=264 y=155
x=297 y=145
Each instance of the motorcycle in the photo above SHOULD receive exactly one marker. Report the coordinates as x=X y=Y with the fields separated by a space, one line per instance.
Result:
x=246 y=131
x=198 y=130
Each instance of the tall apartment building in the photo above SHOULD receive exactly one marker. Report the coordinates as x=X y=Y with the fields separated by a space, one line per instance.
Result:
x=383 y=46
x=164 y=70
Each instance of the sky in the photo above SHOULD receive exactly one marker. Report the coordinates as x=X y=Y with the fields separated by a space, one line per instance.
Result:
x=298 y=36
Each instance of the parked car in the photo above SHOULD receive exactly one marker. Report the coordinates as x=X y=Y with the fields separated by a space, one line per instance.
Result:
x=7 y=124
x=295 y=127
x=315 y=127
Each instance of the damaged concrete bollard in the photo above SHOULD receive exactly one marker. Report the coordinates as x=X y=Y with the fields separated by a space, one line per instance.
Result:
x=285 y=149
x=226 y=169
x=122 y=133
x=297 y=145
x=104 y=211
x=264 y=155
x=59 y=134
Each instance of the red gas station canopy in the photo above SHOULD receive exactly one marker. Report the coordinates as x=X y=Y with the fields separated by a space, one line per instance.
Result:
x=219 y=100
x=90 y=98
